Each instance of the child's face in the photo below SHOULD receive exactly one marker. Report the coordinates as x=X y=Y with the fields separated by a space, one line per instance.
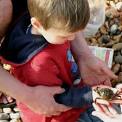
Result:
x=52 y=35
x=55 y=36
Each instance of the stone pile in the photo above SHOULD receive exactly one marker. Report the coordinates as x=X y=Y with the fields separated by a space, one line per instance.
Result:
x=10 y=114
x=110 y=36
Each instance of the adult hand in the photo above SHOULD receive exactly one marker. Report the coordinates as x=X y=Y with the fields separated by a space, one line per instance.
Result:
x=117 y=118
x=94 y=71
x=41 y=101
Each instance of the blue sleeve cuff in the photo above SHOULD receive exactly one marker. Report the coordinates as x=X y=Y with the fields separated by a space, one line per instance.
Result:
x=75 y=97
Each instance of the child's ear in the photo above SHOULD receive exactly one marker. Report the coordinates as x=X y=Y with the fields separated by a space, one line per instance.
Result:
x=35 y=23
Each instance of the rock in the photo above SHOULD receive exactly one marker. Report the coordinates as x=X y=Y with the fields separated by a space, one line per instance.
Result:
x=113 y=29
x=94 y=41
x=117 y=38
x=4 y=116
x=103 y=30
x=111 y=43
x=1 y=110
x=117 y=46
x=14 y=115
x=16 y=109
x=121 y=68
x=119 y=6
x=112 y=3
x=120 y=77
x=118 y=59
x=4 y=121
x=15 y=120
x=107 y=24
x=120 y=28
x=111 y=13
x=105 y=39
x=7 y=110
x=6 y=67
x=116 y=68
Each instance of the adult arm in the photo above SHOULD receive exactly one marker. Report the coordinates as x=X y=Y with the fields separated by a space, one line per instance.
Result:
x=93 y=71
x=41 y=94
x=5 y=16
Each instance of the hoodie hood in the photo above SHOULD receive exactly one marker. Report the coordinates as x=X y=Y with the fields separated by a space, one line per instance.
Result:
x=19 y=46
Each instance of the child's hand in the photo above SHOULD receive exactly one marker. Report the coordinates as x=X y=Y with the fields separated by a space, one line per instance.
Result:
x=95 y=72
x=100 y=104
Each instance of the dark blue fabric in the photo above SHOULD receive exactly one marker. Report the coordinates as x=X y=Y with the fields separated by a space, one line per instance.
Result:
x=75 y=97
x=19 y=7
x=88 y=117
x=20 y=46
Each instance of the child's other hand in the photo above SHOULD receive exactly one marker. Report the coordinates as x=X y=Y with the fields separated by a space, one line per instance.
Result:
x=95 y=72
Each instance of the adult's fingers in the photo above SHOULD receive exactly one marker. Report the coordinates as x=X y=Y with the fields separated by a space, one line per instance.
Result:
x=61 y=108
x=107 y=82
x=108 y=72
x=57 y=90
x=98 y=108
x=103 y=109
x=116 y=101
x=56 y=110
x=111 y=109
x=102 y=101
x=104 y=117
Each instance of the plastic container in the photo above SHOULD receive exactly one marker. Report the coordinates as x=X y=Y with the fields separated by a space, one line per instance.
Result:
x=97 y=17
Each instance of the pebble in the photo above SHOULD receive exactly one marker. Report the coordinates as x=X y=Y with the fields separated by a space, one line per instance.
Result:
x=4 y=116
x=1 y=110
x=4 y=121
x=16 y=109
x=121 y=68
x=117 y=38
x=105 y=39
x=6 y=67
x=116 y=68
x=119 y=6
x=117 y=46
x=15 y=120
x=118 y=59
x=7 y=110
x=114 y=29
x=14 y=115
x=103 y=30
x=120 y=77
